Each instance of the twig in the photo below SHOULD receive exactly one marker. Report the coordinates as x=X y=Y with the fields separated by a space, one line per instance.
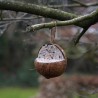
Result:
x=82 y=4
x=74 y=5
x=19 y=19
x=79 y=35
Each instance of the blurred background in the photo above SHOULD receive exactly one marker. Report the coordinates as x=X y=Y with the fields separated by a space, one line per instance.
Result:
x=18 y=50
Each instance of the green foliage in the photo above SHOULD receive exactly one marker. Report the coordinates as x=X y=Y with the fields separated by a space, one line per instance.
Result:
x=30 y=93
x=18 y=92
x=16 y=62
x=27 y=74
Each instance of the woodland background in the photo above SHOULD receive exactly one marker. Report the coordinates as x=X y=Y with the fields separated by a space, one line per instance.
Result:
x=18 y=49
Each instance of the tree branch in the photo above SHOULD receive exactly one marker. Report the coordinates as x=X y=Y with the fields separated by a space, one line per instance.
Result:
x=20 y=19
x=82 y=4
x=79 y=35
x=74 y=21
x=74 y=5
x=46 y=12
x=35 y=9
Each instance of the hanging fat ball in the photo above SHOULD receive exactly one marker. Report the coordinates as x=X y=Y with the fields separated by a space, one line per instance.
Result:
x=51 y=61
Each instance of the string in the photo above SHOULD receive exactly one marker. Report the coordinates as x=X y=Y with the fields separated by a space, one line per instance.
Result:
x=52 y=40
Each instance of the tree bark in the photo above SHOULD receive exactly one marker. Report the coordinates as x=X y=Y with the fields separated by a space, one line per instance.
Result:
x=46 y=12
x=35 y=9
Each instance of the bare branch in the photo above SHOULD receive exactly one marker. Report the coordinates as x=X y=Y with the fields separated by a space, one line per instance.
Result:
x=44 y=11
x=74 y=5
x=82 y=4
x=74 y=21
x=35 y=9
x=20 y=19
x=79 y=35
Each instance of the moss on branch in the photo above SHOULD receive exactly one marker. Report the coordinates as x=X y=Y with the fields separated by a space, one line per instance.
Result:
x=82 y=19
x=35 y=9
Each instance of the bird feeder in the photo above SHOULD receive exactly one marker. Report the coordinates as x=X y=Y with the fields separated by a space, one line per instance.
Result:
x=51 y=60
